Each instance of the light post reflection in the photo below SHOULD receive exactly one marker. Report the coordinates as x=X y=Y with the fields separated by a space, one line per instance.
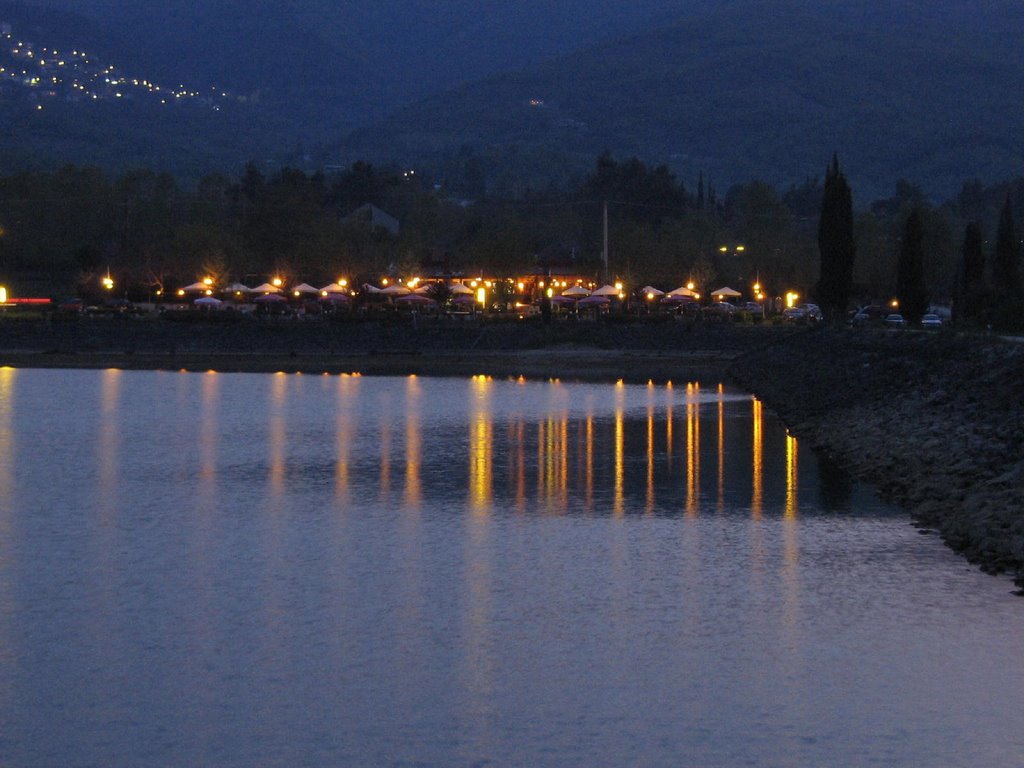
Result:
x=757 y=464
x=413 y=443
x=618 y=505
x=649 y=509
x=692 y=449
x=348 y=391
x=276 y=436
x=721 y=447
x=791 y=476
x=481 y=445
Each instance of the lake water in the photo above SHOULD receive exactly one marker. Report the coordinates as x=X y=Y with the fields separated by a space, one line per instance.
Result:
x=251 y=570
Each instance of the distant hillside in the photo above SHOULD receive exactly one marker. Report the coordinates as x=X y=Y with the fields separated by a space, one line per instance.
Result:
x=928 y=92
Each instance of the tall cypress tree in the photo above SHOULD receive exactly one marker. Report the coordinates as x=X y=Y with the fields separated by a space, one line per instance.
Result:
x=835 y=243
x=1005 y=270
x=969 y=292
x=910 y=286
x=1006 y=285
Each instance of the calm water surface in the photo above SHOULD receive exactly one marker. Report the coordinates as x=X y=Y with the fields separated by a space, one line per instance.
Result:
x=240 y=570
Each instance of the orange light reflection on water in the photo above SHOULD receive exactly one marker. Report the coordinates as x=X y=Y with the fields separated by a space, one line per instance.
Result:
x=481 y=435
x=757 y=461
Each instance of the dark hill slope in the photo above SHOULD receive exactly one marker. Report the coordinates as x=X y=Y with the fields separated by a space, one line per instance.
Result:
x=760 y=90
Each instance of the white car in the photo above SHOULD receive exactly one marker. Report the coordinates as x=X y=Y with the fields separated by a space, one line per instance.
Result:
x=931 y=321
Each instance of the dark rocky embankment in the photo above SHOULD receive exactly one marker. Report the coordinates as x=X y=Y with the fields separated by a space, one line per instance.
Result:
x=934 y=421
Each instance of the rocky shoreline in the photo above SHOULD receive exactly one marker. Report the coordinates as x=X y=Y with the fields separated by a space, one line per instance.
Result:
x=935 y=421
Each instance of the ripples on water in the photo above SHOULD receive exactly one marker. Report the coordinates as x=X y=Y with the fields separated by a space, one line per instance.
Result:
x=302 y=570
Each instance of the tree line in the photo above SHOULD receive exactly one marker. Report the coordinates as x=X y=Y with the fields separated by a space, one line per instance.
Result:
x=60 y=229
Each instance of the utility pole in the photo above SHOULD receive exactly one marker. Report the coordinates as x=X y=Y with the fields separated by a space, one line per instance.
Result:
x=606 y=271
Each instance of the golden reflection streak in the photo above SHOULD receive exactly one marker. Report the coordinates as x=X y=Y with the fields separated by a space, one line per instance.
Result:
x=649 y=509
x=692 y=448
x=481 y=440
x=757 y=496
x=413 y=444
x=344 y=429
x=277 y=435
x=791 y=476
x=721 y=447
x=791 y=545
x=107 y=452
x=618 y=506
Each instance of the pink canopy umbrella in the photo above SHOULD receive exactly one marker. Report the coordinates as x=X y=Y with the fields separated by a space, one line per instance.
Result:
x=594 y=301
x=415 y=299
x=269 y=298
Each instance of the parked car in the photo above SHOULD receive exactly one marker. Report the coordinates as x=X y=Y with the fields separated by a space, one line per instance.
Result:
x=894 y=321
x=870 y=313
x=720 y=309
x=71 y=306
x=812 y=312
x=795 y=314
x=931 y=322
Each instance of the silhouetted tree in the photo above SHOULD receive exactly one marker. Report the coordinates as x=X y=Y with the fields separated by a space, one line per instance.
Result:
x=910 y=287
x=968 y=294
x=835 y=243
x=1006 y=284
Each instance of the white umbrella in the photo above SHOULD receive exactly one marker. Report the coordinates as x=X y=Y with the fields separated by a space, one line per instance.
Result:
x=207 y=301
x=424 y=289
x=196 y=288
x=305 y=288
x=682 y=291
x=460 y=289
x=266 y=288
x=371 y=288
x=606 y=290
x=236 y=288
x=727 y=291
x=575 y=291
x=395 y=290
x=650 y=290
x=333 y=288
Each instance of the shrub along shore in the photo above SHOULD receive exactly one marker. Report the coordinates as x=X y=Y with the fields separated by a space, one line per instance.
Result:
x=933 y=420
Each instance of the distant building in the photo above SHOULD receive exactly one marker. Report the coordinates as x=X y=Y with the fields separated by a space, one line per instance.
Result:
x=373 y=217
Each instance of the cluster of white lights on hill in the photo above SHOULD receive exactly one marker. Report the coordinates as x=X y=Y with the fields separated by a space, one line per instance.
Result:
x=77 y=76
